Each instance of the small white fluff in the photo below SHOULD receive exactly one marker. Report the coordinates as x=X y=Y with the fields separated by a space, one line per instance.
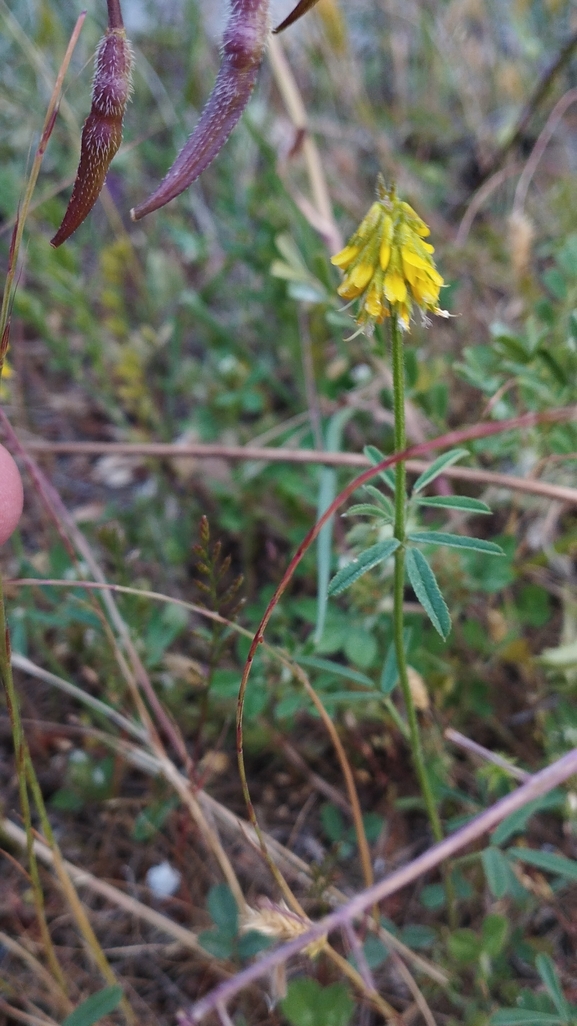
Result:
x=163 y=880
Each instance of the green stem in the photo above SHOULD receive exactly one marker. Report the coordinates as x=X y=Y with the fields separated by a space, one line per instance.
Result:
x=399 y=579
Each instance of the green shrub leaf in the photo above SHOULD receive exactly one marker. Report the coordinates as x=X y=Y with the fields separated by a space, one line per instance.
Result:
x=460 y=502
x=497 y=871
x=95 y=1007
x=309 y=1004
x=366 y=561
x=523 y=1017
x=546 y=861
x=369 y=510
x=425 y=587
x=376 y=456
x=455 y=541
x=437 y=467
x=548 y=973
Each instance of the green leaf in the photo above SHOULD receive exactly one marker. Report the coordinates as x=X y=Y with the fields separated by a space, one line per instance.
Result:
x=455 y=541
x=95 y=1007
x=497 y=871
x=548 y=973
x=433 y=897
x=332 y=821
x=464 y=946
x=523 y=1017
x=425 y=587
x=218 y=944
x=382 y=500
x=494 y=933
x=335 y=668
x=517 y=821
x=360 y=647
x=437 y=467
x=327 y=492
x=547 y=861
x=309 y=1004
x=461 y=502
x=369 y=510
x=252 y=943
x=376 y=456
x=223 y=909
x=366 y=561
x=417 y=936
x=390 y=674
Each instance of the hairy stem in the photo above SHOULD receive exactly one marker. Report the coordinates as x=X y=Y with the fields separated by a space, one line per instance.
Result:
x=399 y=579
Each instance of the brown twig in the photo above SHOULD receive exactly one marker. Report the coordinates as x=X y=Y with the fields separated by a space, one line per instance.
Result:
x=201 y=450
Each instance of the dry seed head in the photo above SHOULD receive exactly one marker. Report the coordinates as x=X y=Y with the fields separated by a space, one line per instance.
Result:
x=276 y=920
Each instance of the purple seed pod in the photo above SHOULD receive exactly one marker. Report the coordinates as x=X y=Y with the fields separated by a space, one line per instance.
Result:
x=301 y=8
x=242 y=53
x=102 y=131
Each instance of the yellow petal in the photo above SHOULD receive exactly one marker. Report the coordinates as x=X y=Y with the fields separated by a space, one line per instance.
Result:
x=411 y=273
x=435 y=277
x=361 y=275
x=395 y=288
x=385 y=254
x=345 y=257
x=374 y=304
x=411 y=257
x=348 y=291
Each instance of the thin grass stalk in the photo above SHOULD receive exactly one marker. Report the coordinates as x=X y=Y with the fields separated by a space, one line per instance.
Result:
x=38 y=968
x=76 y=906
x=20 y=762
x=5 y=665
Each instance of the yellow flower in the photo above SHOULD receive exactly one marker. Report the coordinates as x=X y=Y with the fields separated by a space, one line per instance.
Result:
x=388 y=265
x=5 y=374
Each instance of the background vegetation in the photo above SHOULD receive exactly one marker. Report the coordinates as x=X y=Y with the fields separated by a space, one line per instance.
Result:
x=216 y=321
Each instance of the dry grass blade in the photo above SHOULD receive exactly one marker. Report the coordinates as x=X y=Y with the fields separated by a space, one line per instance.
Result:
x=82 y=878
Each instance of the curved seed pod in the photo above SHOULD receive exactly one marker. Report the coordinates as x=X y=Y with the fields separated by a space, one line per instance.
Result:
x=102 y=132
x=242 y=53
x=301 y=8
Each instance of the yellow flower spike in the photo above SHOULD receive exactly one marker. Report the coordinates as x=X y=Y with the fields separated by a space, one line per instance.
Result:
x=388 y=267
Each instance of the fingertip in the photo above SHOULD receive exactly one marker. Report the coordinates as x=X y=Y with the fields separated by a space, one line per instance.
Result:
x=11 y=495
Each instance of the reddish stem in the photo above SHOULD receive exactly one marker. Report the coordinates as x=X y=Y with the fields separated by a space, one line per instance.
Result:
x=114 y=15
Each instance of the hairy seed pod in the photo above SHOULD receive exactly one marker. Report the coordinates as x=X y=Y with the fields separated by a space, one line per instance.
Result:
x=301 y=8
x=102 y=132
x=242 y=53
